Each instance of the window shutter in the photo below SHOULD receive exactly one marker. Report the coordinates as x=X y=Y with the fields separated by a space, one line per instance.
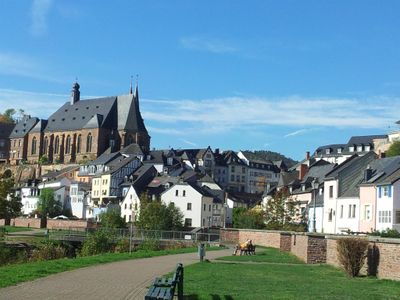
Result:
x=390 y=191
x=379 y=191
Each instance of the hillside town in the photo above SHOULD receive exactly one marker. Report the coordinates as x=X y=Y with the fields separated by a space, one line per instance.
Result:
x=95 y=155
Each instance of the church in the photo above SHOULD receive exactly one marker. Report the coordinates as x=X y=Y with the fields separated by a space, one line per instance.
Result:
x=80 y=130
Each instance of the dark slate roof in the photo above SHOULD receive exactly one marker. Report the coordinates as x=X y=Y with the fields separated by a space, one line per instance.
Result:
x=365 y=140
x=351 y=176
x=392 y=178
x=104 y=158
x=40 y=126
x=132 y=149
x=6 y=129
x=23 y=127
x=231 y=158
x=318 y=172
x=58 y=173
x=335 y=171
x=81 y=114
x=246 y=198
x=219 y=160
x=129 y=116
x=118 y=163
x=286 y=178
x=382 y=168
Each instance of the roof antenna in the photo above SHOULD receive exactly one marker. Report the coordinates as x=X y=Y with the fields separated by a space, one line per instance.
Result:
x=130 y=90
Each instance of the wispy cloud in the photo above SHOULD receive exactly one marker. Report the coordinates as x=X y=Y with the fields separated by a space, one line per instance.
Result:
x=207 y=44
x=40 y=10
x=189 y=142
x=297 y=132
x=294 y=111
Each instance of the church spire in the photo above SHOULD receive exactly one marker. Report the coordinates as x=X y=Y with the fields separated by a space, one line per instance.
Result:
x=130 y=89
x=136 y=94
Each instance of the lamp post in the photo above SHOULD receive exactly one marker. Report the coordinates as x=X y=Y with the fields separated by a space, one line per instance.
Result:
x=314 y=185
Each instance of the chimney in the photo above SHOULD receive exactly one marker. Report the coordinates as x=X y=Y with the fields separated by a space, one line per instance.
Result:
x=381 y=154
x=308 y=155
x=216 y=150
x=367 y=173
x=303 y=171
x=75 y=93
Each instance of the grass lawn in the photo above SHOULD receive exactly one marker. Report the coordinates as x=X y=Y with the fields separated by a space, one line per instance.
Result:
x=263 y=254
x=13 y=274
x=279 y=281
x=16 y=229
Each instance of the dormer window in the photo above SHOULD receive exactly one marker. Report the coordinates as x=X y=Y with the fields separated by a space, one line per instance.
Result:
x=359 y=148
x=328 y=151
x=339 y=150
x=303 y=187
x=351 y=148
x=368 y=148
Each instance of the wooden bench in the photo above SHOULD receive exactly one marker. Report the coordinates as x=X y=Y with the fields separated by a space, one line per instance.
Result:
x=164 y=288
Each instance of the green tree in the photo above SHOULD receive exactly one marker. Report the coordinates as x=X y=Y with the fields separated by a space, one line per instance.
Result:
x=112 y=219
x=48 y=206
x=10 y=205
x=394 y=149
x=248 y=218
x=7 y=116
x=282 y=212
x=156 y=215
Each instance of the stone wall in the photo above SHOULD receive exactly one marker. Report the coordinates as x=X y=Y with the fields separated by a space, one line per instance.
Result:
x=299 y=246
x=67 y=224
x=331 y=252
x=267 y=238
x=389 y=259
x=25 y=222
x=316 y=249
x=229 y=236
x=286 y=242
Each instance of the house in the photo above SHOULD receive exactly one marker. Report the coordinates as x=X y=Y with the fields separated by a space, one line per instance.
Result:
x=376 y=172
x=80 y=199
x=29 y=195
x=5 y=131
x=195 y=203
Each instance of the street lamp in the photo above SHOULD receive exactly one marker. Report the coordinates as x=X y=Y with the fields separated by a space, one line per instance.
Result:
x=314 y=185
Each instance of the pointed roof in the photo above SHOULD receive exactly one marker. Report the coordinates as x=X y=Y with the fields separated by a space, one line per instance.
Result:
x=94 y=122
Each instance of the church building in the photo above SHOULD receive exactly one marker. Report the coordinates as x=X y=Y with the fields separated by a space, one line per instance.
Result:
x=80 y=130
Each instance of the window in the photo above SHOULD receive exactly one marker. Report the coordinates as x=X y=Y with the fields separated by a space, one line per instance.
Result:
x=232 y=169
x=384 y=216
x=367 y=212
x=330 y=213
x=232 y=177
x=188 y=222
x=189 y=206
x=341 y=211
x=89 y=143
x=57 y=145
x=339 y=150
x=243 y=179
x=78 y=144
x=33 y=150
x=130 y=218
x=385 y=191
x=238 y=178
x=136 y=205
x=176 y=193
x=397 y=217
x=130 y=206
x=359 y=148
x=353 y=214
x=331 y=191
x=243 y=170
x=328 y=151
x=351 y=148
x=45 y=145
x=184 y=193
x=367 y=148
x=204 y=207
x=209 y=207
x=125 y=205
x=68 y=145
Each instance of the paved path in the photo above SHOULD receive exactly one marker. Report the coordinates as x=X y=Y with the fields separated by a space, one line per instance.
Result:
x=120 y=280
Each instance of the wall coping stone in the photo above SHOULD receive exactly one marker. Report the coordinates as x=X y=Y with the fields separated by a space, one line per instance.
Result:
x=385 y=240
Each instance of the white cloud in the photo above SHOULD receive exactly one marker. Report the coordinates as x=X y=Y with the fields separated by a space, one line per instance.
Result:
x=297 y=132
x=295 y=111
x=189 y=142
x=208 y=45
x=40 y=10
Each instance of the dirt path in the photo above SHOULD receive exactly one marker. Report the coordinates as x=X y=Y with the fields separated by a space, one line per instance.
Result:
x=120 y=280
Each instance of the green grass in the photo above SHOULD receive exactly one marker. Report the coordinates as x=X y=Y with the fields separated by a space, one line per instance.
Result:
x=16 y=229
x=271 y=255
x=279 y=281
x=13 y=274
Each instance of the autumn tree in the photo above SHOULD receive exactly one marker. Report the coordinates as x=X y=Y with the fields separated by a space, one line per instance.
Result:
x=10 y=205
x=248 y=218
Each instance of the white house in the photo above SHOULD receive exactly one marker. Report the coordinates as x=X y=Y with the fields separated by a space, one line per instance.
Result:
x=29 y=197
x=194 y=202
x=130 y=205
x=79 y=194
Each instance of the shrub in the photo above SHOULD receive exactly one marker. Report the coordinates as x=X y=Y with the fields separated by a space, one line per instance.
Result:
x=9 y=255
x=390 y=233
x=351 y=254
x=97 y=243
x=122 y=246
x=48 y=250
x=150 y=245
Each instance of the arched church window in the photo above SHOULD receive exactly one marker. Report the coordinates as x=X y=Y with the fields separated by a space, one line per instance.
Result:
x=57 y=145
x=89 y=143
x=33 y=150
x=78 y=144
x=68 y=145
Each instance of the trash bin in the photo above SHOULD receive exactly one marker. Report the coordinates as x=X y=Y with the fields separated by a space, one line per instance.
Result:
x=201 y=251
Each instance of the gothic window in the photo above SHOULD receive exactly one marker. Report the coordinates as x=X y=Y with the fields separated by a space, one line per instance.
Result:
x=33 y=150
x=89 y=143
x=129 y=140
x=68 y=145
x=78 y=144
x=57 y=145
x=45 y=145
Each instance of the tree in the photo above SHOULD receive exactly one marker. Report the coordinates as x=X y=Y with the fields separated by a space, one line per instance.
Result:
x=248 y=218
x=156 y=215
x=10 y=205
x=394 y=149
x=48 y=206
x=7 y=116
x=282 y=213
x=112 y=219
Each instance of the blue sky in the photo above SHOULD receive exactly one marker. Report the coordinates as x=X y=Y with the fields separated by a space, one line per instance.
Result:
x=285 y=76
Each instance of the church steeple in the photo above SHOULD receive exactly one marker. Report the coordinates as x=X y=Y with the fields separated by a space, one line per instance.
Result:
x=75 y=93
x=136 y=94
x=130 y=89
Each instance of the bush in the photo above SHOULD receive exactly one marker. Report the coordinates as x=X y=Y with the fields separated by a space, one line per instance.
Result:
x=97 y=243
x=352 y=254
x=150 y=245
x=390 y=233
x=122 y=246
x=9 y=255
x=48 y=250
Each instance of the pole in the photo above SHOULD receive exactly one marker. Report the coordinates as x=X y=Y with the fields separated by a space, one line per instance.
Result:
x=314 y=220
x=130 y=239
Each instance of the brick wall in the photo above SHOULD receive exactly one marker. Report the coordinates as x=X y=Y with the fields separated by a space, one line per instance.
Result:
x=299 y=246
x=331 y=252
x=267 y=238
x=389 y=259
x=66 y=224
x=229 y=235
x=286 y=242
x=24 y=222
x=316 y=249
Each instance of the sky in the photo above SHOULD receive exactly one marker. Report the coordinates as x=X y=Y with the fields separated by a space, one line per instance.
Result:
x=285 y=76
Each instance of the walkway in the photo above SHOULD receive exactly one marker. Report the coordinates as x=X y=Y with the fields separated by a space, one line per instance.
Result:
x=120 y=280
